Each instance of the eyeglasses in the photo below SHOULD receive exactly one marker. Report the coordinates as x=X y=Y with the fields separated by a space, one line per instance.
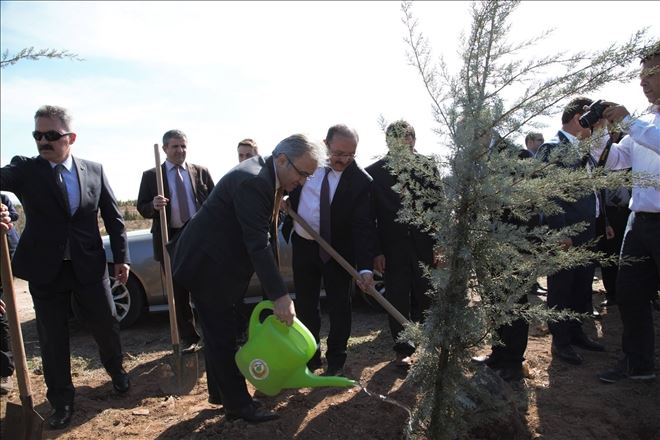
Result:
x=301 y=173
x=342 y=155
x=50 y=135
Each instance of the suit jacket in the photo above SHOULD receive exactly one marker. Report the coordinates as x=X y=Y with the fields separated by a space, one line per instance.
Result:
x=40 y=252
x=583 y=209
x=386 y=206
x=202 y=185
x=352 y=230
x=232 y=229
x=12 y=234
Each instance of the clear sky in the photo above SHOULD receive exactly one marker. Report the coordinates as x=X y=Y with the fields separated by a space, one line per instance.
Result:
x=224 y=71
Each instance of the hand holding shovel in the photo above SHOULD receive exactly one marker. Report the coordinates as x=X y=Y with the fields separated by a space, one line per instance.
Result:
x=22 y=421
x=370 y=289
x=185 y=367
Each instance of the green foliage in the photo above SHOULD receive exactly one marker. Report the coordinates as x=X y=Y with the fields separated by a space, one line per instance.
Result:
x=481 y=212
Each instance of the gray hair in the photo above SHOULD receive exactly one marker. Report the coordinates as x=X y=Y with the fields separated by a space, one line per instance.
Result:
x=173 y=134
x=55 y=112
x=297 y=145
x=341 y=130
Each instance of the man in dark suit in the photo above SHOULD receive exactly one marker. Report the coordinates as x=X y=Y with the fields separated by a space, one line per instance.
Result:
x=61 y=253
x=229 y=239
x=401 y=246
x=6 y=358
x=341 y=215
x=570 y=289
x=186 y=186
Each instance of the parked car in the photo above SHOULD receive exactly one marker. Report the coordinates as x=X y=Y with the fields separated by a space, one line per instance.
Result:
x=144 y=290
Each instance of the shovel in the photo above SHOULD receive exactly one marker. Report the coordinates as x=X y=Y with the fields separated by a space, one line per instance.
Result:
x=185 y=368
x=22 y=421
x=389 y=308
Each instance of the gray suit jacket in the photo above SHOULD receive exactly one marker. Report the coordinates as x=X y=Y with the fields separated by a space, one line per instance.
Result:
x=233 y=229
x=40 y=252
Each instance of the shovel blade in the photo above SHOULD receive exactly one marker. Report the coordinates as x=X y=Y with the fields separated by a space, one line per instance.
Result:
x=179 y=376
x=22 y=423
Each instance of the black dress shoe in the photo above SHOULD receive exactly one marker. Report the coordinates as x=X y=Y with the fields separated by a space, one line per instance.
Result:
x=61 y=417
x=567 y=354
x=511 y=373
x=314 y=364
x=585 y=342
x=333 y=370
x=252 y=413
x=403 y=362
x=120 y=382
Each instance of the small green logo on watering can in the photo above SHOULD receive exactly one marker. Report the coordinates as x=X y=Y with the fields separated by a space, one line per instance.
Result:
x=275 y=356
x=258 y=369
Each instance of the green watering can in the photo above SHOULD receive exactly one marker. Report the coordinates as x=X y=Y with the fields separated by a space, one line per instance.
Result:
x=275 y=356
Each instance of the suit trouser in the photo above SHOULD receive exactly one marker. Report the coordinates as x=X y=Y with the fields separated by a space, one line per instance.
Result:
x=185 y=316
x=569 y=289
x=6 y=357
x=514 y=341
x=217 y=296
x=405 y=289
x=308 y=270
x=52 y=305
x=618 y=218
x=637 y=285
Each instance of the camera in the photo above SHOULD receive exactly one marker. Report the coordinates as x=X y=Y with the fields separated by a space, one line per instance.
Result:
x=595 y=112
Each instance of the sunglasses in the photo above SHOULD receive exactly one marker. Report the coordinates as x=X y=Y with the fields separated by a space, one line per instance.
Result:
x=301 y=173
x=50 y=135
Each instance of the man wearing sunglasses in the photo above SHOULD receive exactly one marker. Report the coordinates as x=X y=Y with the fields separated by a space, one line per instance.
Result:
x=335 y=202
x=216 y=253
x=61 y=254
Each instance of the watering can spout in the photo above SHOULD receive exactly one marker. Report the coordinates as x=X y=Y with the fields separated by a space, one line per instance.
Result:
x=306 y=379
x=275 y=356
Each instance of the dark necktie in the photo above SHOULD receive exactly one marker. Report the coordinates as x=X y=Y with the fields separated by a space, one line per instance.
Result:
x=276 y=218
x=324 y=222
x=59 y=178
x=182 y=197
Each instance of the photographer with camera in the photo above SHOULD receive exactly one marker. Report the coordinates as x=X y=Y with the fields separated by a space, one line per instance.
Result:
x=637 y=283
x=570 y=289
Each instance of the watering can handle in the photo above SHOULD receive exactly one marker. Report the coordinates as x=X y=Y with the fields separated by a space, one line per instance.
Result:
x=254 y=318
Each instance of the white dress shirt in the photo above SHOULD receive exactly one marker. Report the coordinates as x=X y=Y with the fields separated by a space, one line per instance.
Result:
x=309 y=206
x=640 y=149
x=175 y=220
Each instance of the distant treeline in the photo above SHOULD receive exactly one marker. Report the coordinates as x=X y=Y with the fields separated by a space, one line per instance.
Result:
x=127 y=208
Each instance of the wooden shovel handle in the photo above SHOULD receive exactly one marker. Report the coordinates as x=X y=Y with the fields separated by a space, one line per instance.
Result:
x=389 y=308
x=167 y=265
x=15 y=333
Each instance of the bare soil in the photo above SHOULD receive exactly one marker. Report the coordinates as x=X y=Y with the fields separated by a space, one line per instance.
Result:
x=558 y=401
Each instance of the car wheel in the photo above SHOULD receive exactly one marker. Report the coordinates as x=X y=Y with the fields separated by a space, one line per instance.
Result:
x=128 y=299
